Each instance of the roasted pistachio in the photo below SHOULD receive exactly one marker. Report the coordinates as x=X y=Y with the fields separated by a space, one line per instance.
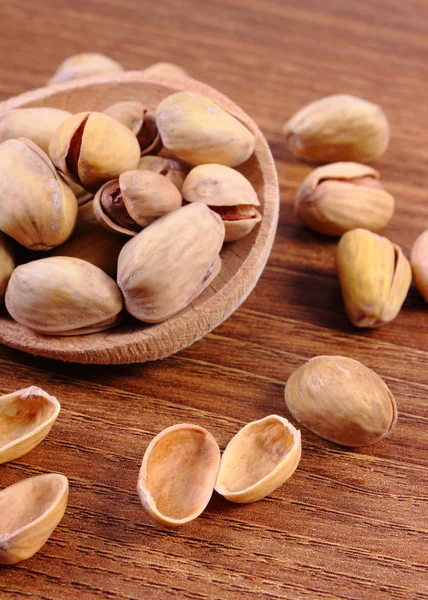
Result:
x=168 y=68
x=173 y=170
x=419 y=261
x=134 y=116
x=7 y=264
x=85 y=65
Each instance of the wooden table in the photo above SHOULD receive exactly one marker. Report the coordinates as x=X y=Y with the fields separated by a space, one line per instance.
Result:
x=350 y=523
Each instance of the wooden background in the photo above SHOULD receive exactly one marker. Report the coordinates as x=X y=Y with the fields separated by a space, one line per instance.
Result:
x=349 y=524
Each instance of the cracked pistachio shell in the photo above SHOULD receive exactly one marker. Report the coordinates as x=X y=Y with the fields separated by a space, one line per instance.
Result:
x=35 y=124
x=341 y=400
x=130 y=113
x=338 y=128
x=173 y=170
x=259 y=459
x=178 y=474
x=61 y=295
x=168 y=68
x=419 y=261
x=30 y=510
x=168 y=264
x=198 y=130
x=7 y=265
x=91 y=148
x=37 y=208
x=374 y=275
x=85 y=65
x=26 y=417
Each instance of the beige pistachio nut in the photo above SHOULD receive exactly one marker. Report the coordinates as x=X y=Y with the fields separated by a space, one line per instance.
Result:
x=35 y=124
x=259 y=459
x=61 y=295
x=134 y=116
x=198 y=130
x=7 y=265
x=30 y=510
x=91 y=148
x=37 y=208
x=178 y=474
x=419 y=261
x=167 y=68
x=85 y=65
x=341 y=196
x=167 y=265
x=226 y=192
x=173 y=170
x=374 y=275
x=338 y=128
x=26 y=418
x=341 y=400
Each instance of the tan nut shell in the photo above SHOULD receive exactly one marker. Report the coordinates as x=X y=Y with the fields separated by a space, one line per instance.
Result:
x=35 y=124
x=129 y=113
x=374 y=275
x=341 y=400
x=168 y=264
x=419 y=261
x=26 y=417
x=166 y=67
x=337 y=128
x=198 y=131
x=259 y=459
x=85 y=65
x=173 y=170
x=61 y=295
x=7 y=264
x=331 y=204
x=178 y=474
x=37 y=208
x=30 y=510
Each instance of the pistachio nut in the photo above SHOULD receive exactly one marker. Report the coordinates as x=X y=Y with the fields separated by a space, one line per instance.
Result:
x=134 y=116
x=173 y=170
x=198 y=130
x=419 y=261
x=374 y=275
x=37 y=208
x=341 y=196
x=341 y=400
x=167 y=68
x=26 y=417
x=61 y=295
x=168 y=264
x=259 y=459
x=337 y=128
x=30 y=510
x=7 y=264
x=92 y=148
x=226 y=192
x=85 y=65
x=35 y=124
x=178 y=474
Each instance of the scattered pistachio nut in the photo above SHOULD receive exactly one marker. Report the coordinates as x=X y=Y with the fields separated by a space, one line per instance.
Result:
x=178 y=474
x=259 y=459
x=341 y=196
x=85 y=65
x=26 y=418
x=173 y=170
x=198 y=130
x=167 y=68
x=134 y=116
x=167 y=265
x=374 y=275
x=227 y=193
x=91 y=148
x=341 y=400
x=61 y=295
x=37 y=208
x=338 y=128
x=7 y=265
x=419 y=261
x=30 y=510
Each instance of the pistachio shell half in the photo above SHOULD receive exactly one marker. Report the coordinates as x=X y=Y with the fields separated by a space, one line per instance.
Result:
x=7 y=264
x=35 y=124
x=85 y=65
x=173 y=170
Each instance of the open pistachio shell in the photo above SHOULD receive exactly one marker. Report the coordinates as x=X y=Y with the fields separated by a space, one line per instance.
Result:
x=7 y=264
x=30 y=510
x=128 y=112
x=178 y=474
x=26 y=417
x=85 y=64
x=173 y=170
x=259 y=459
x=35 y=124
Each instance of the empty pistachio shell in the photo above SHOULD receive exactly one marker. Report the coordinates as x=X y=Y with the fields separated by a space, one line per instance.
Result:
x=85 y=65
x=173 y=170
x=168 y=264
x=341 y=400
x=7 y=264
x=336 y=128
x=26 y=417
x=30 y=510
x=37 y=208
x=336 y=198
x=374 y=275
x=178 y=474
x=419 y=260
x=166 y=67
x=92 y=148
x=199 y=131
x=259 y=459
x=35 y=124
x=61 y=295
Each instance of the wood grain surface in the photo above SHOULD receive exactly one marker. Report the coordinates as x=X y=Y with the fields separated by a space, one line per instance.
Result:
x=348 y=524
